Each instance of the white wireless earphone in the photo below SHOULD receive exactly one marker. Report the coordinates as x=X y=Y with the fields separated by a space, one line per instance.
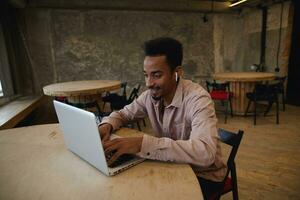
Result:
x=176 y=76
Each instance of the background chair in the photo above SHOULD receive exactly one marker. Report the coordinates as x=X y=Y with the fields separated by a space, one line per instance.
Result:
x=221 y=92
x=118 y=102
x=109 y=96
x=229 y=183
x=264 y=92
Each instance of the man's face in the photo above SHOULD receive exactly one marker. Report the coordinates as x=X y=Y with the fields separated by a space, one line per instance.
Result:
x=158 y=76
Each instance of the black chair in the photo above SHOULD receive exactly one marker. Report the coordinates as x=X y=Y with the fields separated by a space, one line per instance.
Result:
x=118 y=102
x=221 y=92
x=229 y=183
x=267 y=92
x=110 y=96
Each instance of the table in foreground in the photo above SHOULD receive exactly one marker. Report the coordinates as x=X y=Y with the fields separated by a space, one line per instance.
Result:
x=240 y=84
x=35 y=164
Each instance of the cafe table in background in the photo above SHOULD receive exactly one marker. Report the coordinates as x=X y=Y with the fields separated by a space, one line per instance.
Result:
x=240 y=84
x=82 y=94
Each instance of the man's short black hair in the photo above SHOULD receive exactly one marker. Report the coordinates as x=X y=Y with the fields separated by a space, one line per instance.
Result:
x=169 y=47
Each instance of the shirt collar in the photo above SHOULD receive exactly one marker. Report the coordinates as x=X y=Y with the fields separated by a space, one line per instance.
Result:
x=177 y=99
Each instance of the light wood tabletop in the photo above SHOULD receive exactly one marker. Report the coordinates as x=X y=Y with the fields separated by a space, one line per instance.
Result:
x=81 y=91
x=35 y=164
x=240 y=84
x=76 y=88
x=244 y=76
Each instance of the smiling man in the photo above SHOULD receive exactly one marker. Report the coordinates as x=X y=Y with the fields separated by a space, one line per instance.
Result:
x=182 y=116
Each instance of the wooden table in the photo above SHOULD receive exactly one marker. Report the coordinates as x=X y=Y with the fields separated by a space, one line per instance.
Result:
x=81 y=91
x=240 y=84
x=35 y=164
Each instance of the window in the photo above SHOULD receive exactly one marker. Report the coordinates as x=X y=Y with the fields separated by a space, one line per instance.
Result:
x=6 y=83
x=1 y=91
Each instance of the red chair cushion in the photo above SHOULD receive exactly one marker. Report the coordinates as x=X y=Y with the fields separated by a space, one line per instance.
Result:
x=219 y=95
x=227 y=188
x=61 y=99
x=227 y=185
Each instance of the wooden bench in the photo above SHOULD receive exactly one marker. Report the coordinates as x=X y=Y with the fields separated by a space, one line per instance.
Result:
x=14 y=112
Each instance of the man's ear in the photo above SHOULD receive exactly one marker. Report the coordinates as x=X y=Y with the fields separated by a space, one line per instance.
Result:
x=179 y=71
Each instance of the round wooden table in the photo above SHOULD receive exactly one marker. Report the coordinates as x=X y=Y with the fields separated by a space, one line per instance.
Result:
x=81 y=91
x=35 y=164
x=240 y=84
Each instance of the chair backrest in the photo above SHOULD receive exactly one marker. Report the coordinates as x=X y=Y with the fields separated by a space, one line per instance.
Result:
x=134 y=94
x=234 y=140
x=280 y=78
x=266 y=91
x=214 y=86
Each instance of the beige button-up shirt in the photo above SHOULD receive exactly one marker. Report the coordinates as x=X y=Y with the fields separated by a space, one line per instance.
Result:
x=185 y=130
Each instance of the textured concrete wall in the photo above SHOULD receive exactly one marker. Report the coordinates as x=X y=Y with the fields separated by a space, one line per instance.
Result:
x=72 y=44
x=228 y=42
x=95 y=44
x=237 y=39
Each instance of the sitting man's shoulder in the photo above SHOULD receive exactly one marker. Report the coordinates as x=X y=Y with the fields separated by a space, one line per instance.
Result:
x=192 y=89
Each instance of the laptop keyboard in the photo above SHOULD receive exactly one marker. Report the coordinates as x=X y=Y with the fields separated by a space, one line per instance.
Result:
x=122 y=159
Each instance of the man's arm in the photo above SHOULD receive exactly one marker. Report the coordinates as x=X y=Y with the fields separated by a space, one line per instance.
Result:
x=120 y=146
x=200 y=149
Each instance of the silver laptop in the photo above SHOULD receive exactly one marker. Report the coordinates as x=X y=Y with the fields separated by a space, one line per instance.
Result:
x=81 y=136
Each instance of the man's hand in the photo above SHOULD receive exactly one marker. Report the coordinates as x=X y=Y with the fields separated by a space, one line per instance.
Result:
x=122 y=146
x=105 y=130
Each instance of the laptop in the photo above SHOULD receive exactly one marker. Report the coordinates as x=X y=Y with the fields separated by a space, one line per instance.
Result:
x=81 y=136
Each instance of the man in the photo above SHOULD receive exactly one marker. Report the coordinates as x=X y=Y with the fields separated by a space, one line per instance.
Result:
x=181 y=113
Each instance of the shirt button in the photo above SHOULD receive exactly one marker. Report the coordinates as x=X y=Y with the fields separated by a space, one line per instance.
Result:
x=148 y=154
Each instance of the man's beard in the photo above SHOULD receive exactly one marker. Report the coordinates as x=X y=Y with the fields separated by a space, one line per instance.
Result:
x=154 y=97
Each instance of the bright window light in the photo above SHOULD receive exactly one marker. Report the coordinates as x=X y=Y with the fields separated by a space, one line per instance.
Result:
x=1 y=92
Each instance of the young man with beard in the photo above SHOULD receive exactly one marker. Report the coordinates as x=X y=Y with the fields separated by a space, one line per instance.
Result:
x=182 y=116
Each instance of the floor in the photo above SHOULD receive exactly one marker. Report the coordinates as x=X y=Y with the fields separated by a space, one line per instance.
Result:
x=268 y=161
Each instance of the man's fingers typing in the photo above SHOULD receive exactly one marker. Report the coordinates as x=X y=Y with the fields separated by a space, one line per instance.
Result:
x=114 y=157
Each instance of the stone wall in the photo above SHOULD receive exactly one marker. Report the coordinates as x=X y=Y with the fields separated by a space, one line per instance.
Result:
x=99 y=44
x=237 y=39
x=78 y=44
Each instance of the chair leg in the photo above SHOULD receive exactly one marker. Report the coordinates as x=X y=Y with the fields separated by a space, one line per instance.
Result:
x=138 y=125
x=231 y=111
x=277 y=111
x=248 y=106
x=254 y=114
x=111 y=107
x=144 y=122
x=98 y=107
x=268 y=108
x=103 y=107
x=283 y=101
x=235 y=194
